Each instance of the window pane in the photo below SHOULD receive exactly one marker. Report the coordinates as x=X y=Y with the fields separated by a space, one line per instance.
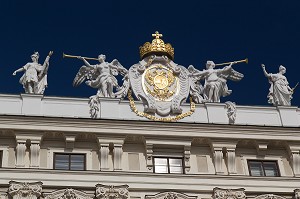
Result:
x=77 y=162
x=176 y=169
x=256 y=168
x=175 y=162
x=160 y=161
x=61 y=161
x=271 y=169
x=161 y=169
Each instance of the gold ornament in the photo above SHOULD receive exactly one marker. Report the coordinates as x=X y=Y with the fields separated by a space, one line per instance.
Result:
x=161 y=119
x=157 y=46
x=160 y=82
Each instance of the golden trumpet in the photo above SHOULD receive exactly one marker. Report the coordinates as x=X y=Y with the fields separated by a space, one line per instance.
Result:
x=74 y=56
x=240 y=61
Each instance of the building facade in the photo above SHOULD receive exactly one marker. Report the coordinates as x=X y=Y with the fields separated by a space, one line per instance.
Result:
x=51 y=148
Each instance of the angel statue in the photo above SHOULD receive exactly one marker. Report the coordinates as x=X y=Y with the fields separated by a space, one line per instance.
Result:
x=102 y=77
x=34 y=79
x=215 y=81
x=280 y=93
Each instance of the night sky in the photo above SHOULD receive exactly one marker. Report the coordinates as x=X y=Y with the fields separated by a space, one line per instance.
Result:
x=264 y=31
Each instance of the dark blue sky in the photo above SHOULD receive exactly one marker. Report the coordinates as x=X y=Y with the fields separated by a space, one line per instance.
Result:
x=265 y=31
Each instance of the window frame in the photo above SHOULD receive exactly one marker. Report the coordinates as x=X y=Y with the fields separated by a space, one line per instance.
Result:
x=263 y=168
x=69 y=155
x=168 y=163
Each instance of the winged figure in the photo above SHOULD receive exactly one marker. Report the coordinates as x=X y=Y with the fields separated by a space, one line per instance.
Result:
x=215 y=85
x=102 y=77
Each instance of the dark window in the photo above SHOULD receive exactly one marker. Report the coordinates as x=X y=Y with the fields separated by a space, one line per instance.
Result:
x=69 y=161
x=168 y=165
x=263 y=168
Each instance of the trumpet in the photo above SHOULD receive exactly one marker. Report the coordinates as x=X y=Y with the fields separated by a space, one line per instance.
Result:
x=239 y=61
x=74 y=56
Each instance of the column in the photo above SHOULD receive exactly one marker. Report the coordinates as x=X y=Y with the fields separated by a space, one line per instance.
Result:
x=35 y=155
x=118 y=151
x=218 y=158
x=21 y=147
x=231 y=165
x=104 y=151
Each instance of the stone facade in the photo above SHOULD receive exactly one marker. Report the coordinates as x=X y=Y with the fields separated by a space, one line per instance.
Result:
x=119 y=153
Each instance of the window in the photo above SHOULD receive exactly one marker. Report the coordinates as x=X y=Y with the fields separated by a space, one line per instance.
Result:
x=263 y=168
x=168 y=165
x=65 y=161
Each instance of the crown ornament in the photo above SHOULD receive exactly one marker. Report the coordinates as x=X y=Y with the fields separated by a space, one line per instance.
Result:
x=157 y=47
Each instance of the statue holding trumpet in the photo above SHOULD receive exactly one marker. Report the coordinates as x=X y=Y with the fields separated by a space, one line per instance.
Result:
x=101 y=76
x=215 y=85
x=280 y=93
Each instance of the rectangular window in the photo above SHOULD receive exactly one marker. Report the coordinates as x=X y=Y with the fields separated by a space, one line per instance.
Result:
x=69 y=161
x=263 y=168
x=168 y=165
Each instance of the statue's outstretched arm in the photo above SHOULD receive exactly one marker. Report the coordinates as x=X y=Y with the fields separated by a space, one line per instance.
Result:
x=19 y=70
x=84 y=61
x=264 y=70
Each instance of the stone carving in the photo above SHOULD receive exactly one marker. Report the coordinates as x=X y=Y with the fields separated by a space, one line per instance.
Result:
x=196 y=88
x=102 y=77
x=67 y=194
x=215 y=85
x=170 y=195
x=231 y=111
x=160 y=84
x=280 y=93
x=269 y=196
x=219 y=193
x=34 y=79
x=94 y=104
x=111 y=192
x=25 y=190
x=297 y=194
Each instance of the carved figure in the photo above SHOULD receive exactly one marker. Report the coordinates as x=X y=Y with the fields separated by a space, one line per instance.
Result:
x=102 y=77
x=215 y=85
x=231 y=111
x=280 y=93
x=196 y=88
x=34 y=79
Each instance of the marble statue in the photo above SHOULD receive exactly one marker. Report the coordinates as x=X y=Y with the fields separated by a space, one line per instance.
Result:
x=215 y=85
x=196 y=88
x=280 y=93
x=34 y=79
x=102 y=77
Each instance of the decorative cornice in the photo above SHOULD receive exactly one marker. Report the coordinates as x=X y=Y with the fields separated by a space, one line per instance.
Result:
x=219 y=193
x=67 y=194
x=25 y=189
x=269 y=196
x=170 y=195
x=111 y=191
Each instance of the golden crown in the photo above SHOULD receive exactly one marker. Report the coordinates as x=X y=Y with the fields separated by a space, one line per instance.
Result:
x=157 y=47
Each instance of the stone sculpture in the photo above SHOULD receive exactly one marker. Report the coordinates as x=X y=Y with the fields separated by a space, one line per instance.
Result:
x=280 y=93
x=102 y=76
x=215 y=85
x=34 y=79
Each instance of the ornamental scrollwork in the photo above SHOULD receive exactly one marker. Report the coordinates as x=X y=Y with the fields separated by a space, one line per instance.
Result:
x=269 y=196
x=25 y=189
x=67 y=194
x=219 y=193
x=111 y=192
x=170 y=195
